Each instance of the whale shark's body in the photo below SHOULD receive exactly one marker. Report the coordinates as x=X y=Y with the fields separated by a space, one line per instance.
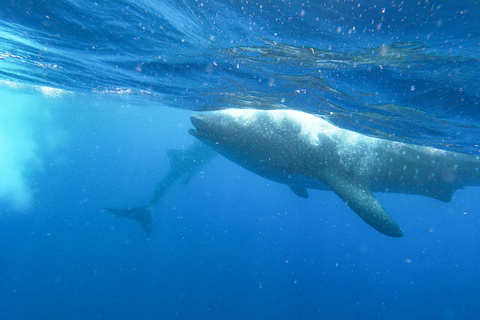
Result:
x=183 y=165
x=306 y=152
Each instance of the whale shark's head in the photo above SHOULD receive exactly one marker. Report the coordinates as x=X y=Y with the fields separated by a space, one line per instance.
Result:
x=208 y=127
x=256 y=127
x=229 y=131
x=257 y=139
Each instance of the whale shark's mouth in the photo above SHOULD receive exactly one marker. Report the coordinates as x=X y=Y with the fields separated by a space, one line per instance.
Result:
x=201 y=126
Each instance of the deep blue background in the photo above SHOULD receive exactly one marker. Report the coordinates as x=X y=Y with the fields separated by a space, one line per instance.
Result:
x=229 y=244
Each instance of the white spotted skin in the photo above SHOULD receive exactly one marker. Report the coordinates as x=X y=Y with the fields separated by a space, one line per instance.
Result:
x=298 y=148
x=306 y=152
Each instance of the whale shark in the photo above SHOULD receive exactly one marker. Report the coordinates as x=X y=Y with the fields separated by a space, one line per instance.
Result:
x=183 y=165
x=305 y=151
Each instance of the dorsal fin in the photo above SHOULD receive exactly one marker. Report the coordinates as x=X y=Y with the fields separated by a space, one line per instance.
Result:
x=441 y=192
x=175 y=156
x=299 y=191
x=183 y=159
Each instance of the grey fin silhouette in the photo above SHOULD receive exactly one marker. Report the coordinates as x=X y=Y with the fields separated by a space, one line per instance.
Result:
x=142 y=215
x=183 y=165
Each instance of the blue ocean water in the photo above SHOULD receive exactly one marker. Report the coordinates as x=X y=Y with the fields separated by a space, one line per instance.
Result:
x=94 y=94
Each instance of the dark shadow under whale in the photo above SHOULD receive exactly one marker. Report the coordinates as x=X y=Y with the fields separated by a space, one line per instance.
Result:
x=183 y=165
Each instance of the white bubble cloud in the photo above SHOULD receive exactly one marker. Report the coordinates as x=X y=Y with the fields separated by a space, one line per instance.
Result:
x=27 y=136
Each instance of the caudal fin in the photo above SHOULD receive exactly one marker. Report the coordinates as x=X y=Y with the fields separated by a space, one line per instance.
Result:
x=142 y=215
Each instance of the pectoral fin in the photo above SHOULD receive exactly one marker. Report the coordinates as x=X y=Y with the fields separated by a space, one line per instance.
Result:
x=361 y=200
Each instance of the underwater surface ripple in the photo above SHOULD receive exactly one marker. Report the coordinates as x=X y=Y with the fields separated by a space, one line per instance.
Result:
x=403 y=71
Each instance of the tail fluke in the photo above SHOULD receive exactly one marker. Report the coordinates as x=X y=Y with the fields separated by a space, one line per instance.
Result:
x=142 y=215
